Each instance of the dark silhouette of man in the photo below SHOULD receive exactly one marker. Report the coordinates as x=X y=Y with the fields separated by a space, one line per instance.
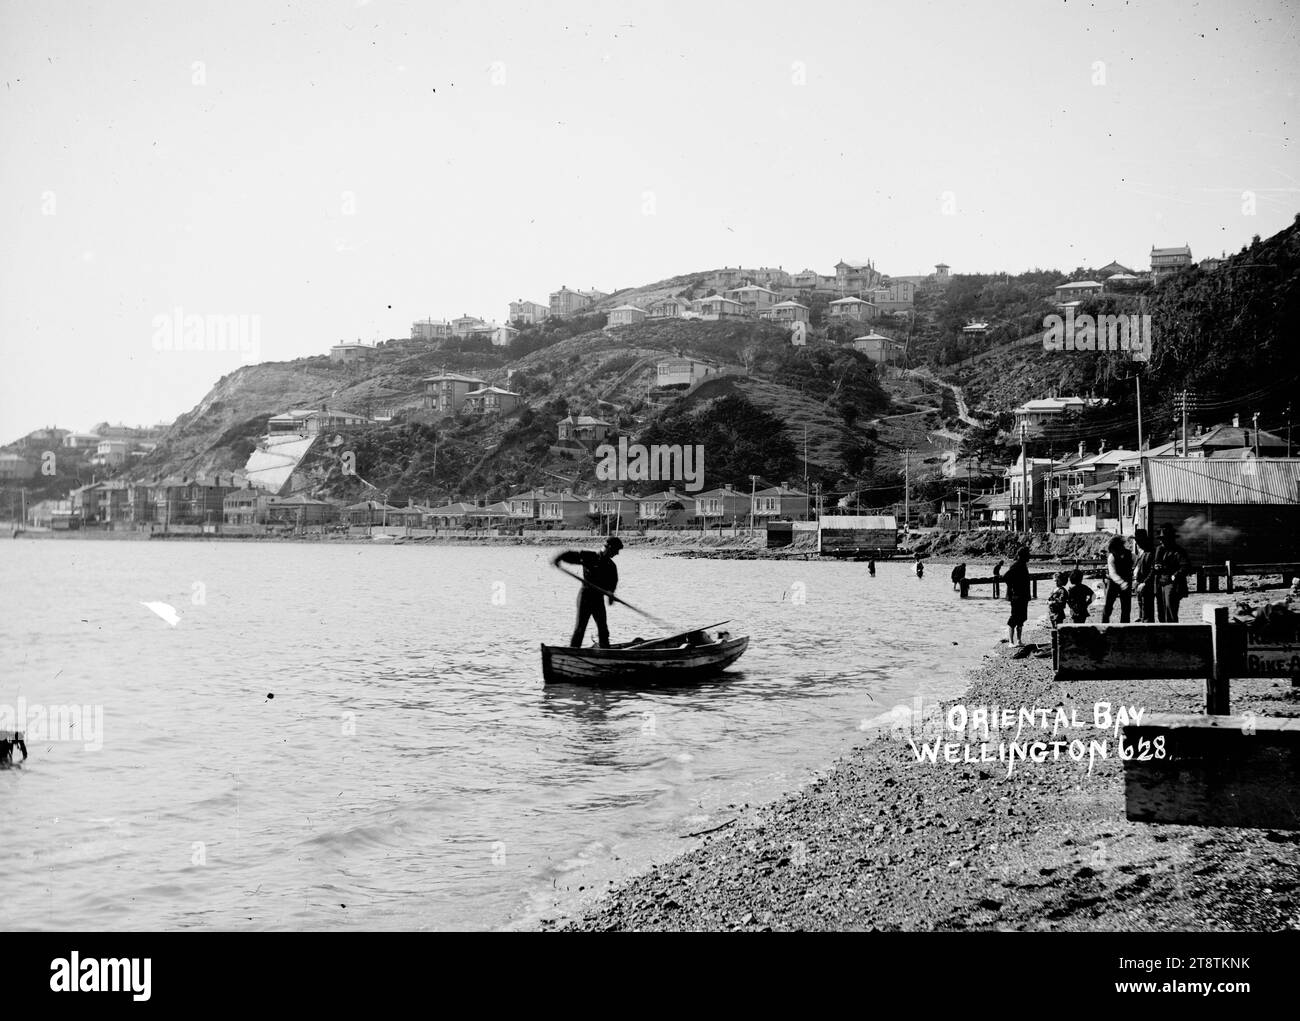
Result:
x=598 y=572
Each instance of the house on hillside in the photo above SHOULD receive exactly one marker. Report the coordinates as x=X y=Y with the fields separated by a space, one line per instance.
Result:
x=491 y=400
x=312 y=421
x=755 y=300
x=1077 y=290
x=880 y=349
x=670 y=308
x=851 y=310
x=785 y=312
x=583 y=429
x=855 y=276
x=446 y=392
x=1038 y=414
x=625 y=315
x=681 y=372
x=430 y=329
x=467 y=325
x=81 y=441
x=349 y=353
x=1165 y=261
x=1111 y=268
x=528 y=312
x=718 y=307
x=14 y=467
x=502 y=335
x=566 y=302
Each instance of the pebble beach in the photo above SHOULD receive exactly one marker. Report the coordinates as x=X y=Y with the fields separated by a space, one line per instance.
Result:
x=882 y=841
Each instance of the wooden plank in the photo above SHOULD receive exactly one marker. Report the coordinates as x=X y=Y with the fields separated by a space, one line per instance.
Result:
x=1213 y=771
x=1132 y=651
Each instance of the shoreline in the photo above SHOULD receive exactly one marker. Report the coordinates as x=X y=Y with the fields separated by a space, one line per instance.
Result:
x=880 y=841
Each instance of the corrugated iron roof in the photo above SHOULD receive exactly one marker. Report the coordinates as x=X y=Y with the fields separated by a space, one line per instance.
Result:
x=1202 y=480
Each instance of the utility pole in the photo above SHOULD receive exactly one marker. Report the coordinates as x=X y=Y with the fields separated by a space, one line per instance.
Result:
x=1139 y=398
x=753 y=485
x=907 y=488
x=1024 y=476
x=970 y=506
x=805 y=459
x=1255 y=417
x=1288 y=430
x=1182 y=412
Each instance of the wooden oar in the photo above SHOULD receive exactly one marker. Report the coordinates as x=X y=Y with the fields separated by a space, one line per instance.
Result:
x=596 y=588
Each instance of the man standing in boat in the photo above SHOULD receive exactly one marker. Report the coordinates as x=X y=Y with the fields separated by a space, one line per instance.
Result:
x=599 y=576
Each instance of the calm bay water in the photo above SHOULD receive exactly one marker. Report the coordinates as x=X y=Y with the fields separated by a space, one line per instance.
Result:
x=411 y=771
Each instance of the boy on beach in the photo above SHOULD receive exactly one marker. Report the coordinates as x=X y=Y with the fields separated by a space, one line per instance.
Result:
x=1056 y=602
x=1078 y=597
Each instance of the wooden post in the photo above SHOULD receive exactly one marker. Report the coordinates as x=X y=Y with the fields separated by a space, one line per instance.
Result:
x=996 y=586
x=1228 y=564
x=1216 y=684
x=1033 y=588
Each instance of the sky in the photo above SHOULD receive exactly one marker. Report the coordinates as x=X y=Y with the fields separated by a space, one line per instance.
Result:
x=335 y=170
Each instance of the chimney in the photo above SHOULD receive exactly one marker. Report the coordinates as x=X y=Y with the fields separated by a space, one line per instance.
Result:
x=1081 y=448
x=1103 y=446
x=1236 y=421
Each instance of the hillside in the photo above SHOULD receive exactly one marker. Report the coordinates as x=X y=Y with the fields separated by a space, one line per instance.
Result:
x=610 y=374
x=1224 y=333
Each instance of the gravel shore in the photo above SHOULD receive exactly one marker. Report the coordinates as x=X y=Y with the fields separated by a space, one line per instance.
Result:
x=882 y=841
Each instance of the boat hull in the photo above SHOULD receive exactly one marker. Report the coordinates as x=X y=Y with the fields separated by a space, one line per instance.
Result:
x=620 y=667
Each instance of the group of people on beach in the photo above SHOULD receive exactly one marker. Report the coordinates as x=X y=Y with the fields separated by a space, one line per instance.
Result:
x=1156 y=573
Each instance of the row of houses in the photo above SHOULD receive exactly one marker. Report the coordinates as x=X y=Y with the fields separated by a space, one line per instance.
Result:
x=1090 y=492
x=1115 y=276
x=856 y=277
x=725 y=505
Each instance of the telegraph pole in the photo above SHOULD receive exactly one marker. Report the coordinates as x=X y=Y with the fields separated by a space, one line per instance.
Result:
x=907 y=488
x=1182 y=412
x=1288 y=430
x=1139 y=399
x=1024 y=477
x=753 y=486
x=1255 y=417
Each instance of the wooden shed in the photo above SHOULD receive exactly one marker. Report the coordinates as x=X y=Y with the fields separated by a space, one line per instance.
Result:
x=1224 y=509
x=850 y=534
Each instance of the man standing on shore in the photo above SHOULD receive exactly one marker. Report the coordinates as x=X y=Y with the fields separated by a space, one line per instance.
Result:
x=1171 y=567
x=1017 y=579
x=598 y=573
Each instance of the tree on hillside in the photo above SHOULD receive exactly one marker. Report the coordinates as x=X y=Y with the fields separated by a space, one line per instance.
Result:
x=737 y=438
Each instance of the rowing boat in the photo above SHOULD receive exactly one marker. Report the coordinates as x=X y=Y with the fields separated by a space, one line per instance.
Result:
x=673 y=660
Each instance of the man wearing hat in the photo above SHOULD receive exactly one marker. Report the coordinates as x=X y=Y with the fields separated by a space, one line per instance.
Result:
x=1170 y=570
x=598 y=573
